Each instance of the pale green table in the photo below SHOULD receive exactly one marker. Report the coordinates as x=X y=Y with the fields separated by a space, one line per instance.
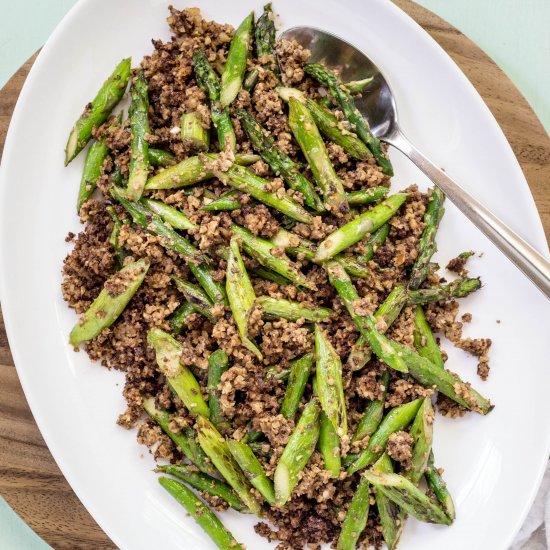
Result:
x=515 y=33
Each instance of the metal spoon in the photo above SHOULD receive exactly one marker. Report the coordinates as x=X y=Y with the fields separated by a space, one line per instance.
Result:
x=378 y=106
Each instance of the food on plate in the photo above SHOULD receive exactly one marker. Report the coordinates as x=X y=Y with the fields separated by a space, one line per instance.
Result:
x=274 y=306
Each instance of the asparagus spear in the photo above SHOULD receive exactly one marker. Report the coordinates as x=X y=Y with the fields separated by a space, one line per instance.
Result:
x=329 y=445
x=217 y=365
x=307 y=135
x=439 y=487
x=215 y=446
x=250 y=79
x=422 y=434
x=113 y=238
x=110 y=303
x=402 y=358
x=190 y=171
x=278 y=307
x=356 y=517
x=328 y=79
x=406 y=495
x=180 y=379
x=139 y=147
x=397 y=419
x=228 y=201
x=232 y=76
x=357 y=86
x=392 y=518
x=367 y=196
x=201 y=514
x=270 y=276
x=328 y=124
x=252 y=469
x=246 y=181
x=171 y=215
x=297 y=380
x=373 y=412
x=329 y=382
x=264 y=40
x=97 y=153
x=427 y=245
x=279 y=162
x=424 y=340
x=297 y=452
x=456 y=289
x=170 y=239
x=276 y=373
x=196 y=297
x=192 y=132
x=178 y=317
x=355 y=230
x=208 y=80
x=160 y=157
x=261 y=250
x=206 y=483
x=104 y=102
x=376 y=240
x=241 y=295
x=185 y=439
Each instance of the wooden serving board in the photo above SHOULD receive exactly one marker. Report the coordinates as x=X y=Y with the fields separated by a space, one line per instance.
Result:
x=30 y=480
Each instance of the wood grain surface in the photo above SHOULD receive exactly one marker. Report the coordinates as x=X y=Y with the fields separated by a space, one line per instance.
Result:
x=30 y=480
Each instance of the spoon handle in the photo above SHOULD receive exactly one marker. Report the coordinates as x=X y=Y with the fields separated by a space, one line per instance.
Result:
x=523 y=255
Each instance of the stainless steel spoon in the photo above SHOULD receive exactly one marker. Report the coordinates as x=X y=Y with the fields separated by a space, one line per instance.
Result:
x=378 y=106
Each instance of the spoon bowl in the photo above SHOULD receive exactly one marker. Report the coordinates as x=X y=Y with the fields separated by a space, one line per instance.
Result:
x=377 y=105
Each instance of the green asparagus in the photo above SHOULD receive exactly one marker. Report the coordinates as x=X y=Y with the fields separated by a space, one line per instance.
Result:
x=217 y=365
x=439 y=487
x=206 y=483
x=424 y=340
x=180 y=379
x=110 y=303
x=356 y=517
x=208 y=80
x=279 y=307
x=178 y=317
x=397 y=419
x=215 y=446
x=328 y=375
x=160 y=157
x=357 y=86
x=261 y=250
x=264 y=40
x=252 y=469
x=279 y=162
x=104 y=102
x=228 y=201
x=171 y=215
x=329 y=445
x=297 y=380
x=406 y=495
x=113 y=238
x=329 y=79
x=307 y=135
x=373 y=412
x=297 y=452
x=246 y=181
x=241 y=295
x=355 y=230
x=422 y=434
x=427 y=245
x=190 y=171
x=201 y=514
x=193 y=134
x=455 y=289
x=367 y=196
x=196 y=297
x=185 y=439
x=97 y=153
x=232 y=76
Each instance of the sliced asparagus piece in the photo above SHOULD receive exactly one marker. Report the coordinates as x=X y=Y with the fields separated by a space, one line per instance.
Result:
x=171 y=215
x=160 y=157
x=196 y=297
x=101 y=107
x=217 y=365
x=297 y=452
x=422 y=434
x=278 y=307
x=213 y=527
x=329 y=445
x=110 y=303
x=297 y=380
x=406 y=495
x=97 y=153
x=373 y=412
x=241 y=295
x=185 y=439
x=356 y=517
x=193 y=134
x=215 y=446
x=168 y=353
x=456 y=289
x=439 y=487
x=252 y=469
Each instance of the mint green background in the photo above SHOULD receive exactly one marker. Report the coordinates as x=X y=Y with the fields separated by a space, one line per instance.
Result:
x=515 y=33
